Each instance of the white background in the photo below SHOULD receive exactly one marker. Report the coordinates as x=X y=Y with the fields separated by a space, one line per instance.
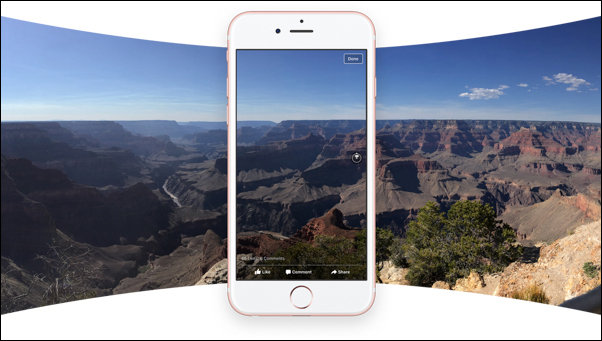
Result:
x=204 y=312
x=399 y=312
x=397 y=23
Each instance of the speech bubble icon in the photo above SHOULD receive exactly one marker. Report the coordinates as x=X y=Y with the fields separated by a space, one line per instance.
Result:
x=288 y=271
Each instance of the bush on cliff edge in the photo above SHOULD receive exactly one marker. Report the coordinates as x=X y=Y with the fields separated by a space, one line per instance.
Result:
x=441 y=247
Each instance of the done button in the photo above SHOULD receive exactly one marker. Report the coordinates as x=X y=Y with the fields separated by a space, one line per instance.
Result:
x=353 y=58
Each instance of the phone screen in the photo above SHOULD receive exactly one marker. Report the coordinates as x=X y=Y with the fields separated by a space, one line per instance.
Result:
x=301 y=164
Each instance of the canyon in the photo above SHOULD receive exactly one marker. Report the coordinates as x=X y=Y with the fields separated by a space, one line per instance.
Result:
x=149 y=197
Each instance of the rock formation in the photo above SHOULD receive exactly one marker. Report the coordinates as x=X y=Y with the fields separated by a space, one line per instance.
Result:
x=559 y=270
x=473 y=282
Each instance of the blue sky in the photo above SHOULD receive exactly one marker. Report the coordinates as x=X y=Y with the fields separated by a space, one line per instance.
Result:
x=279 y=85
x=50 y=73
x=497 y=77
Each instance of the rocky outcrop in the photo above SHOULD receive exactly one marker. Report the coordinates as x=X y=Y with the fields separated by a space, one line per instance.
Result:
x=183 y=267
x=473 y=282
x=589 y=206
x=331 y=224
x=559 y=270
x=390 y=274
x=213 y=250
x=441 y=285
x=217 y=274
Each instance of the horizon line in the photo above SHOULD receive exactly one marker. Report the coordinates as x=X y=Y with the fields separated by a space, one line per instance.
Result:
x=399 y=120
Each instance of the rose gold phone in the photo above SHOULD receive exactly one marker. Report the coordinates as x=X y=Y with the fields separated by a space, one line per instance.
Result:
x=301 y=163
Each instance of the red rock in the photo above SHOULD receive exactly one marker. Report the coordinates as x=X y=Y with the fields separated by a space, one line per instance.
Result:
x=533 y=143
x=331 y=224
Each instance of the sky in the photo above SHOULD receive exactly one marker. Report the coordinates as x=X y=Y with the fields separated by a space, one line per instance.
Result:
x=278 y=85
x=50 y=73
x=497 y=77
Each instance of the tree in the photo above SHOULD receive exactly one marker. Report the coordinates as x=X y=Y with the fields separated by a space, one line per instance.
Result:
x=443 y=247
x=385 y=242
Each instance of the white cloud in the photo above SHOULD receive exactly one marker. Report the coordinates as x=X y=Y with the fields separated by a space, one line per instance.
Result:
x=593 y=89
x=570 y=79
x=483 y=93
x=523 y=85
x=548 y=80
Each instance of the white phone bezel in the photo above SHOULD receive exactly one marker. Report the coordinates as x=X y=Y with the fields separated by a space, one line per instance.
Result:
x=332 y=30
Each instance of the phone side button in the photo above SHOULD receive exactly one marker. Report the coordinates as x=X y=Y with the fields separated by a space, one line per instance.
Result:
x=301 y=297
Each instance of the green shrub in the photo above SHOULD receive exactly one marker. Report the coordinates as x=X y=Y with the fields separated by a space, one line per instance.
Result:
x=387 y=245
x=440 y=247
x=590 y=269
x=397 y=254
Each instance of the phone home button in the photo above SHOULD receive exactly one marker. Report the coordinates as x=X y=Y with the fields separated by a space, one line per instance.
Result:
x=301 y=297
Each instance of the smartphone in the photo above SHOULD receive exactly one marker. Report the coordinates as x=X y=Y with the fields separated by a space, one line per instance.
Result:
x=301 y=163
